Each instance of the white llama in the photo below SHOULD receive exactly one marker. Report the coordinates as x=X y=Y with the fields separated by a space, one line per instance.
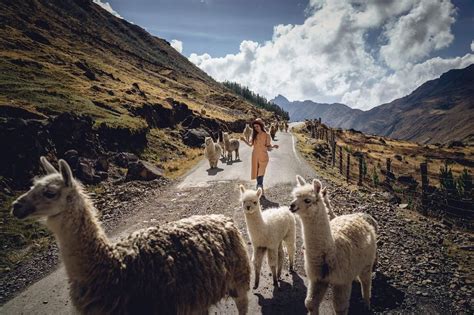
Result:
x=337 y=251
x=247 y=132
x=231 y=145
x=267 y=231
x=212 y=152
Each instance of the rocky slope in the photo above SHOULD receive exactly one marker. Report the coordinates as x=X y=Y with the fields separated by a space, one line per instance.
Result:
x=438 y=111
x=73 y=76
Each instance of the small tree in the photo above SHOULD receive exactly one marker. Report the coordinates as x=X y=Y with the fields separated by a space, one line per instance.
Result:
x=446 y=179
x=464 y=183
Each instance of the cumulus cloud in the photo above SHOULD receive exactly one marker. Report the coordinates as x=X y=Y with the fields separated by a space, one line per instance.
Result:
x=177 y=44
x=363 y=53
x=107 y=7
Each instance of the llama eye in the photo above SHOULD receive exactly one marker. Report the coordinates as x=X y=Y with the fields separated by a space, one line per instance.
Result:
x=49 y=194
x=254 y=202
x=307 y=200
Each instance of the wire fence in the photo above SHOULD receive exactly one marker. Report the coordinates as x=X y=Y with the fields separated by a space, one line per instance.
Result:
x=444 y=191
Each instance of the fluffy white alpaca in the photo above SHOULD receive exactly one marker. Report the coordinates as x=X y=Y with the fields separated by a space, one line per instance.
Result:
x=247 y=132
x=180 y=267
x=212 y=152
x=231 y=145
x=337 y=251
x=267 y=231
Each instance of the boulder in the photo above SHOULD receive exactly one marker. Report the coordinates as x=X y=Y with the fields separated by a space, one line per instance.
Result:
x=122 y=159
x=142 y=170
x=86 y=172
x=195 y=137
x=102 y=164
x=72 y=158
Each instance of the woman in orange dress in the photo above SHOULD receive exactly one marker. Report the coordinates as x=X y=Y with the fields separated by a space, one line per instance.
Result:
x=261 y=143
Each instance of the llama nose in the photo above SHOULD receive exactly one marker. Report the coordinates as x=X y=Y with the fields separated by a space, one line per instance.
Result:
x=293 y=207
x=248 y=207
x=20 y=211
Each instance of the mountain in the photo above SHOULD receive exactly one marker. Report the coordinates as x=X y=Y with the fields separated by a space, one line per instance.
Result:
x=73 y=76
x=439 y=110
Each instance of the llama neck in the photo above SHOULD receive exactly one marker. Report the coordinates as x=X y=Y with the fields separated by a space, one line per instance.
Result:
x=211 y=149
x=255 y=222
x=82 y=241
x=317 y=232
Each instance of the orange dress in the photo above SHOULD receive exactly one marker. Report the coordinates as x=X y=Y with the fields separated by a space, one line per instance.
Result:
x=260 y=154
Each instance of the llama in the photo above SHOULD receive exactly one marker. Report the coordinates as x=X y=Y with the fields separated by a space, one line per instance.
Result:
x=337 y=251
x=181 y=267
x=267 y=231
x=220 y=141
x=247 y=132
x=212 y=152
x=231 y=145
x=286 y=126
x=281 y=126
x=273 y=130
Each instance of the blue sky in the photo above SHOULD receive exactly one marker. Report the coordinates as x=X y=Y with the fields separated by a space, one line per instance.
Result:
x=359 y=52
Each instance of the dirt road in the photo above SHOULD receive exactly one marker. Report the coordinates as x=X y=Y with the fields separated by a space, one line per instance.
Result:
x=201 y=192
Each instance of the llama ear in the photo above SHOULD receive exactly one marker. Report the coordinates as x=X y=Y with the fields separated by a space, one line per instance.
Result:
x=259 y=192
x=242 y=189
x=324 y=191
x=317 y=185
x=47 y=166
x=66 y=173
x=300 y=180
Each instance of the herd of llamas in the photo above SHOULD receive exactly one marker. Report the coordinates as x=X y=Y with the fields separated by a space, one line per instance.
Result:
x=226 y=147
x=186 y=266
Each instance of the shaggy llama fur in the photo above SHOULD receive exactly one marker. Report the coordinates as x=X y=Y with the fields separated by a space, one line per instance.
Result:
x=182 y=267
x=327 y=202
x=273 y=130
x=337 y=251
x=267 y=231
x=231 y=145
x=247 y=132
x=212 y=152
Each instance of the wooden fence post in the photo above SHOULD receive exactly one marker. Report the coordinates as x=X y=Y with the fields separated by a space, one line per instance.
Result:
x=340 y=160
x=333 y=157
x=313 y=134
x=361 y=170
x=424 y=182
x=348 y=166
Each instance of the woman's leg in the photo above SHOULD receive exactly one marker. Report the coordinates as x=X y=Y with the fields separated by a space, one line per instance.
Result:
x=260 y=181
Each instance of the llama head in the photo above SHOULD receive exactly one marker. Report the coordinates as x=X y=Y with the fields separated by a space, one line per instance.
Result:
x=208 y=141
x=250 y=199
x=49 y=194
x=226 y=136
x=307 y=198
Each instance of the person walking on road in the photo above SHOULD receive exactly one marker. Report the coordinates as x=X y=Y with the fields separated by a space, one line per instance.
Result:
x=261 y=143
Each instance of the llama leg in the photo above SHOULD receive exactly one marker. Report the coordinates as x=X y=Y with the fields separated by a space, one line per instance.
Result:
x=280 y=258
x=290 y=248
x=241 y=301
x=272 y=255
x=366 y=284
x=341 y=298
x=258 y=253
x=237 y=155
x=315 y=295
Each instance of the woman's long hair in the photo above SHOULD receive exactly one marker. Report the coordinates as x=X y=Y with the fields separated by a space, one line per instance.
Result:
x=254 y=132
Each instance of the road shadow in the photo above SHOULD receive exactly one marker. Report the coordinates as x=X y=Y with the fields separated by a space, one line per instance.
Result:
x=286 y=299
x=265 y=203
x=385 y=297
x=214 y=171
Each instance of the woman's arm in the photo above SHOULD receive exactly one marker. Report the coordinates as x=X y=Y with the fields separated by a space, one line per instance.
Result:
x=246 y=142
x=269 y=143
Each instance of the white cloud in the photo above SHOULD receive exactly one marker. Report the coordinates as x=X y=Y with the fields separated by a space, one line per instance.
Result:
x=107 y=7
x=334 y=55
x=177 y=44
